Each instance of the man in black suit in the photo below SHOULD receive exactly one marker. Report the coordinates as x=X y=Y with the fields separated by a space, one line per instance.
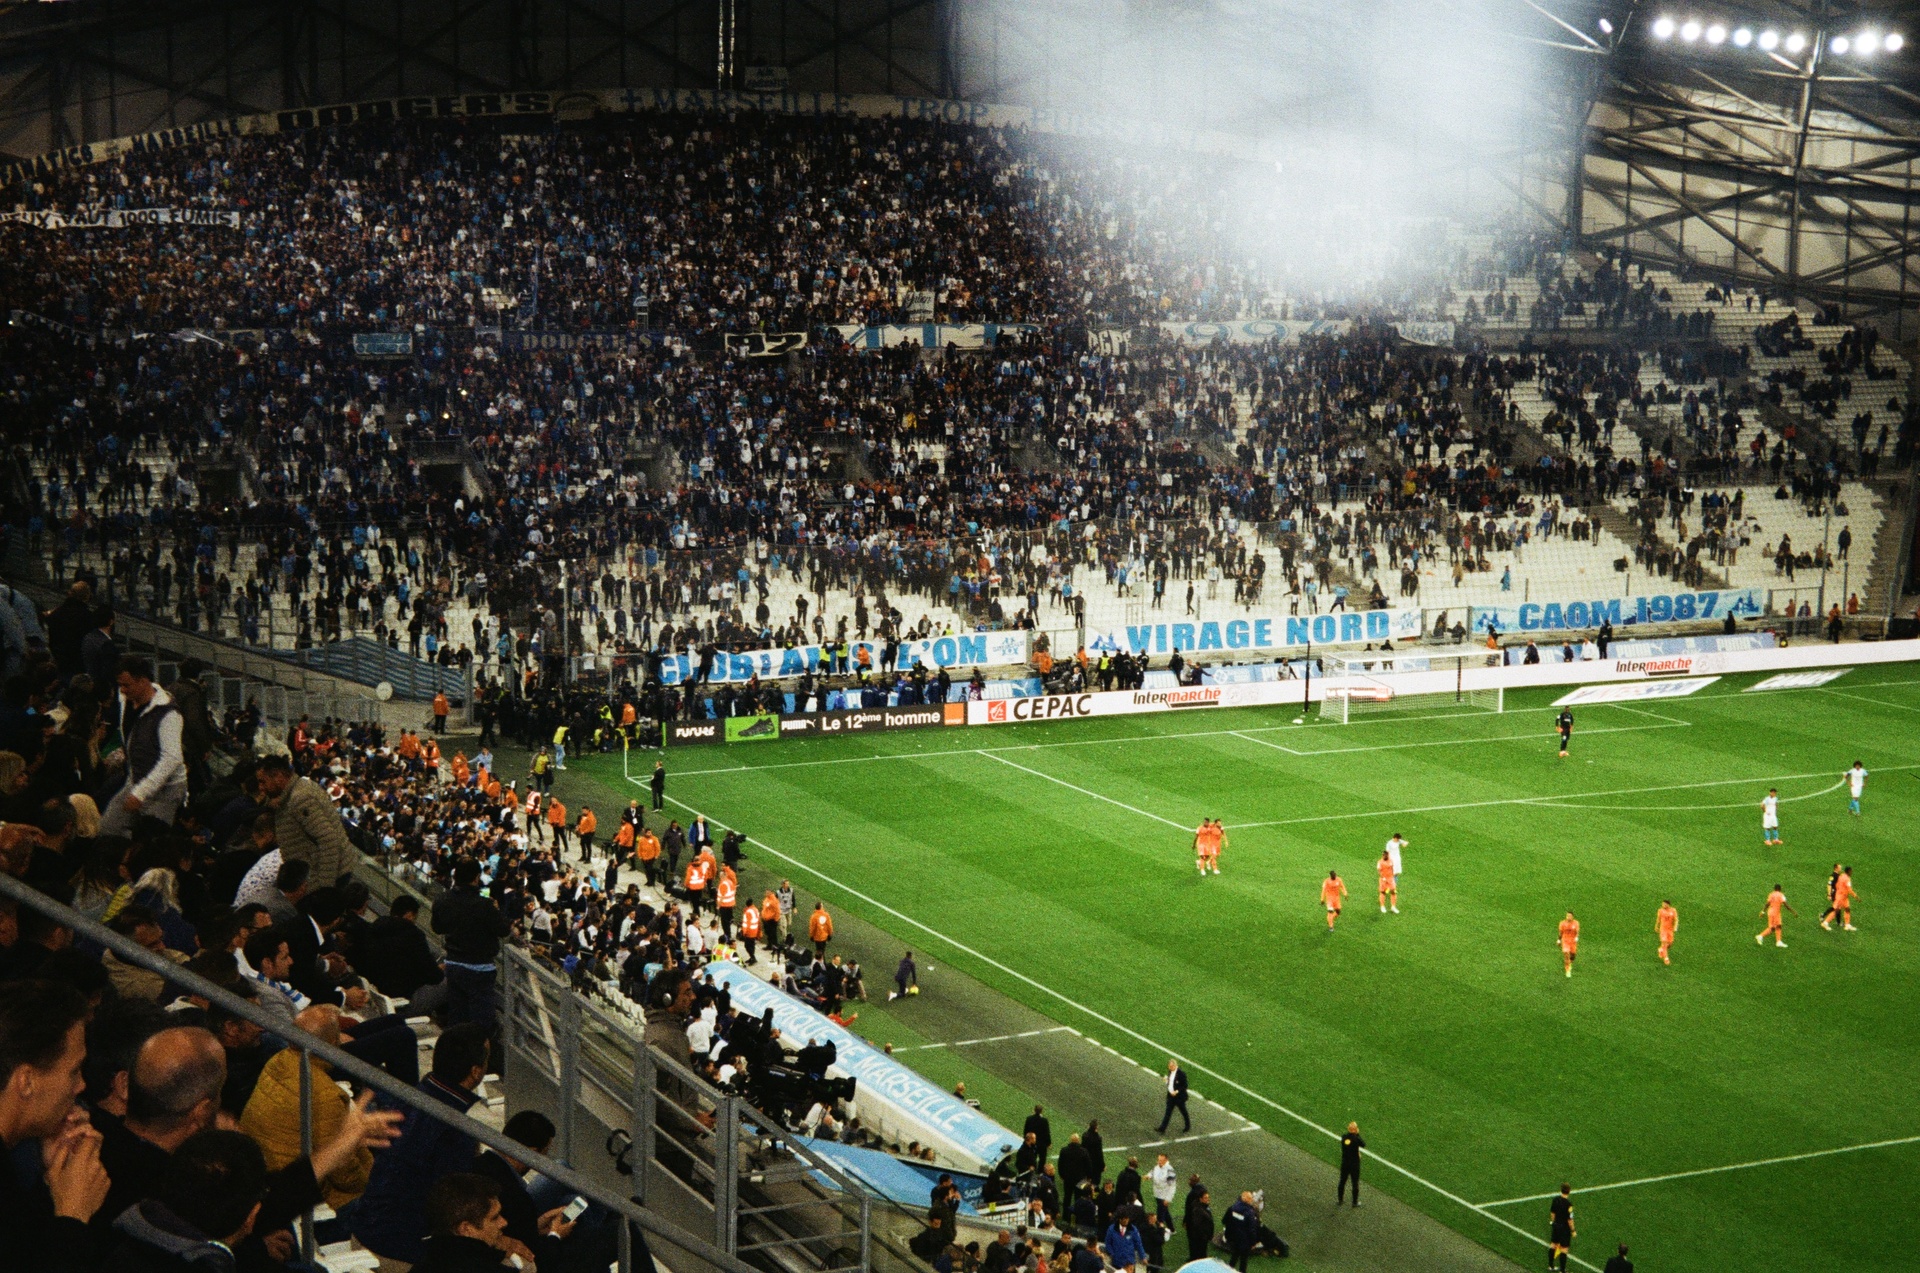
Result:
x=1042 y=1130
x=1176 y=1097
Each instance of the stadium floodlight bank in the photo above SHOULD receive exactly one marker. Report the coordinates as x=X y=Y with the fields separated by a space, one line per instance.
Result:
x=1373 y=683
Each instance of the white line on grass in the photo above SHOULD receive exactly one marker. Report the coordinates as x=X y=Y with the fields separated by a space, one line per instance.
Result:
x=993 y=1038
x=1714 y=1171
x=1553 y=802
x=1181 y=1140
x=1131 y=1033
x=1178 y=826
x=1548 y=801
x=1467 y=742
x=1862 y=698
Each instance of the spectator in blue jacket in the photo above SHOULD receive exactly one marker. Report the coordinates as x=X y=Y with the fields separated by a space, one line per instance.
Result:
x=390 y=1219
x=1123 y=1243
x=1242 y=1230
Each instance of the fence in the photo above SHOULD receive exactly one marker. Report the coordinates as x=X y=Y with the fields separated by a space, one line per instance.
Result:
x=636 y=1214
x=768 y=1196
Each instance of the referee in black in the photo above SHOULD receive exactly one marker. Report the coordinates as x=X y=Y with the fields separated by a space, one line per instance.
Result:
x=1350 y=1146
x=658 y=785
x=1560 y=1221
x=1564 y=723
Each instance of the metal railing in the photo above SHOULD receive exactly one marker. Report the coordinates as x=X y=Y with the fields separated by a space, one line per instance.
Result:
x=768 y=1194
x=633 y=1213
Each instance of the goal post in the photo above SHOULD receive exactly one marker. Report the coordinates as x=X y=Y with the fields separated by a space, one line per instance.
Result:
x=1372 y=684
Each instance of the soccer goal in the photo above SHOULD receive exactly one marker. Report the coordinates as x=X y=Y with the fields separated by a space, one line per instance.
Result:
x=1373 y=684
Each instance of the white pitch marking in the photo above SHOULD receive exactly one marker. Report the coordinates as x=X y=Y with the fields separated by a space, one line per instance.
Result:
x=1862 y=698
x=993 y=1038
x=1092 y=1014
x=1118 y=804
x=1181 y=1140
x=1714 y=1171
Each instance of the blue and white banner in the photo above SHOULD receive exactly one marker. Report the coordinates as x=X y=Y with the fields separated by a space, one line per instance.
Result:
x=1250 y=673
x=1425 y=333
x=931 y=335
x=1257 y=331
x=890 y=1096
x=122 y=218
x=969 y=649
x=1635 y=691
x=1676 y=607
x=1263 y=632
x=1717 y=643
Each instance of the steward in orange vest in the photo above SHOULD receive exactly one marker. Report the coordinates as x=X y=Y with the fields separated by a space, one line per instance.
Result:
x=750 y=929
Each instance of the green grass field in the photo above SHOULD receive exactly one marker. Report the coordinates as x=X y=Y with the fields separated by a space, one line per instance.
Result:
x=1053 y=863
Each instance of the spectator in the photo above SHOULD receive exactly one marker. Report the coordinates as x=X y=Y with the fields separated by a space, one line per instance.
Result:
x=396 y=958
x=1242 y=1229
x=156 y=767
x=467 y=1225
x=202 y=1213
x=1199 y=1224
x=272 y=1113
x=45 y=1211
x=307 y=826
x=473 y=926
x=389 y=1217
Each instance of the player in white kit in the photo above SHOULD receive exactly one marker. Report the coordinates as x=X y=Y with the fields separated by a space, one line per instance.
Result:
x=1770 y=817
x=1856 y=783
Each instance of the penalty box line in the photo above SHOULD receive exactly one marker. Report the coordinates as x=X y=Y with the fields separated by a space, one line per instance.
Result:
x=990 y=962
x=1714 y=1171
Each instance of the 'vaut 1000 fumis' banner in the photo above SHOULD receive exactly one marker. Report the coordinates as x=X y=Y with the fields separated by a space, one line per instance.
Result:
x=1575 y=613
x=1264 y=632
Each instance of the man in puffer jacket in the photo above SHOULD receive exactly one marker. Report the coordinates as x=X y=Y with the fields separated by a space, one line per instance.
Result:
x=272 y=1116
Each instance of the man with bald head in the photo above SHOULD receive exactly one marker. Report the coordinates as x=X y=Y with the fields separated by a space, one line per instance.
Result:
x=173 y=1091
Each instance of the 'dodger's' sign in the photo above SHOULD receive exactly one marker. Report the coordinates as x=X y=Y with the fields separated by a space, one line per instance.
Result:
x=1265 y=632
x=1678 y=607
x=969 y=649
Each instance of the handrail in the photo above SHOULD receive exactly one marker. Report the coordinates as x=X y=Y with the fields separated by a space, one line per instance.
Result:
x=129 y=951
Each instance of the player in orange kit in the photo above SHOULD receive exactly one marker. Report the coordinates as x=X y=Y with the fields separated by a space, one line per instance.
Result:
x=1213 y=839
x=1775 y=901
x=1389 y=891
x=1333 y=891
x=1202 y=842
x=1569 y=942
x=1843 y=894
x=1666 y=922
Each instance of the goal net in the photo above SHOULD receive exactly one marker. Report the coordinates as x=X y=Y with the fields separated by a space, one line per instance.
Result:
x=1373 y=684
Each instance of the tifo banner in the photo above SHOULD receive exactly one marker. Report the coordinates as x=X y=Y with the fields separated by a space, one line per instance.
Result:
x=893 y=1099
x=383 y=344
x=1264 y=632
x=1425 y=333
x=969 y=649
x=767 y=344
x=121 y=218
x=931 y=335
x=559 y=341
x=1132 y=130
x=1717 y=643
x=1678 y=607
x=1253 y=331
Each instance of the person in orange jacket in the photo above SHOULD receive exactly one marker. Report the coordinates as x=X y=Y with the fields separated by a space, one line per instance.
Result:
x=646 y=847
x=585 y=828
x=699 y=871
x=440 y=709
x=749 y=928
x=726 y=897
x=770 y=917
x=820 y=929
x=557 y=824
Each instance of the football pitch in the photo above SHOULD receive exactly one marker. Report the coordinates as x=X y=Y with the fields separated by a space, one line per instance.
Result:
x=1747 y=1107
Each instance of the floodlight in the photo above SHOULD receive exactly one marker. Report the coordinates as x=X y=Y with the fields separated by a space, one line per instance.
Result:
x=1606 y=27
x=1716 y=34
x=1690 y=31
x=1894 y=42
x=1796 y=42
x=1743 y=37
x=1839 y=44
x=1769 y=40
x=1663 y=28
x=1867 y=42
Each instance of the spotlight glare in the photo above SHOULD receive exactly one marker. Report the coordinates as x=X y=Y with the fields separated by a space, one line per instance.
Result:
x=1743 y=37
x=1866 y=42
x=1716 y=34
x=1662 y=28
x=1606 y=27
x=1839 y=44
x=1796 y=42
x=1769 y=40
x=1895 y=41
x=1690 y=31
